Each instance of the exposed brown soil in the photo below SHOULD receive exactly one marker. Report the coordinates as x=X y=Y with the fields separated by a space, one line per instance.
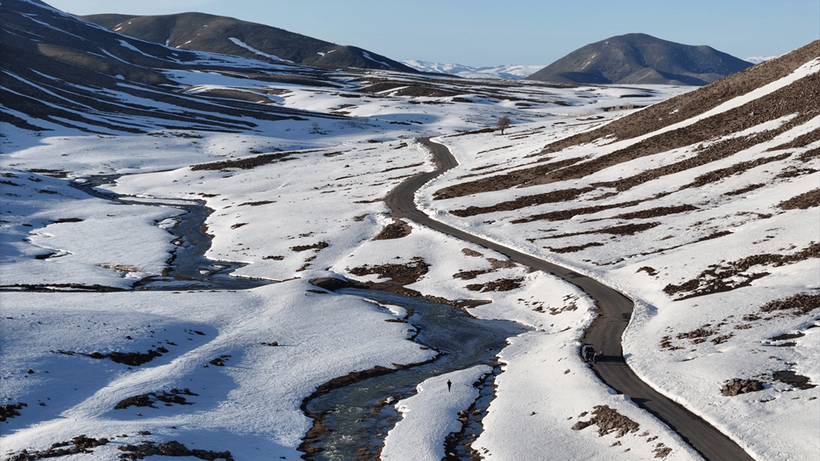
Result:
x=728 y=276
x=803 y=201
x=628 y=229
x=698 y=335
x=569 y=305
x=60 y=174
x=60 y=287
x=656 y=212
x=501 y=263
x=399 y=274
x=80 y=444
x=415 y=165
x=405 y=89
x=649 y=271
x=515 y=178
x=716 y=175
x=801 y=141
x=9 y=410
x=316 y=246
x=495 y=265
x=317 y=430
x=746 y=189
x=170 y=448
x=468 y=133
x=470 y=275
x=786 y=336
x=737 y=386
x=732 y=121
x=133 y=359
x=558 y=196
x=608 y=421
x=258 y=203
x=563 y=215
x=395 y=230
x=175 y=396
x=793 y=379
x=797 y=305
x=219 y=361
x=496 y=285
x=666 y=343
x=245 y=163
x=792 y=171
x=574 y=248
x=624 y=229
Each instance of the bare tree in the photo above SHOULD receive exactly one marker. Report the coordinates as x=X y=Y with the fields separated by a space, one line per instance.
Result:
x=503 y=123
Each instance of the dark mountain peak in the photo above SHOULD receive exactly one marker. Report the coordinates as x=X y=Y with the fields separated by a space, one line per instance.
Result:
x=638 y=58
x=230 y=36
x=60 y=71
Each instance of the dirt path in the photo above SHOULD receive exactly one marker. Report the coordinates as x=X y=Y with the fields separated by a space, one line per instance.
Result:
x=605 y=333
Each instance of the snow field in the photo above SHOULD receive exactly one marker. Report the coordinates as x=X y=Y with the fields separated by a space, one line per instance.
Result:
x=330 y=192
x=541 y=393
x=53 y=233
x=256 y=395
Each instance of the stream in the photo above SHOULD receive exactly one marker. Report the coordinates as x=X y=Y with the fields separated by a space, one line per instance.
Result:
x=358 y=416
x=189 y=268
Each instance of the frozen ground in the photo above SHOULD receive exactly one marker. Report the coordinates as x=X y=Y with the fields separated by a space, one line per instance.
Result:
x=326 y=190
x=298 y=200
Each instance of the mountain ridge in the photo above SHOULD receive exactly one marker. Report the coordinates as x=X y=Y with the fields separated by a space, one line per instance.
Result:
x=235 y=37
x=641 y=59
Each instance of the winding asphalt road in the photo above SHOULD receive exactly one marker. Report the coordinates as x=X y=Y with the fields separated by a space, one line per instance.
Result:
x=604 y=334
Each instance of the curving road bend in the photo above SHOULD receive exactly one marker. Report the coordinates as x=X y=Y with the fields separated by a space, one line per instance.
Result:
x=604 y=334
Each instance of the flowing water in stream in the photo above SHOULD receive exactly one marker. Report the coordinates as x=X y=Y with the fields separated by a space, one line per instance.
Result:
x=190 y=269
x=357 y=416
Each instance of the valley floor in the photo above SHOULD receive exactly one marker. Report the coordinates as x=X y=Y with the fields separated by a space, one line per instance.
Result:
x=228 y=370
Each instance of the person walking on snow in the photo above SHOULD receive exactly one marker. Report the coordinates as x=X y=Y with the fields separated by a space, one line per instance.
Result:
x=449 y=385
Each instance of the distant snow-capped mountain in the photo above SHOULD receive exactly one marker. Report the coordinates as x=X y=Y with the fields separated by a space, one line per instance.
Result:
x=510 y=71
x=758 y=59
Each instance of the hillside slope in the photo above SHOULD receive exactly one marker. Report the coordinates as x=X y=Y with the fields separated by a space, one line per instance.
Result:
x=704 y=209
x=220 y=34
x=60 y=71
x=641 y=59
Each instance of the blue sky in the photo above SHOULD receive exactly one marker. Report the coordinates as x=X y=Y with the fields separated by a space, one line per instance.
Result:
x=488 y=33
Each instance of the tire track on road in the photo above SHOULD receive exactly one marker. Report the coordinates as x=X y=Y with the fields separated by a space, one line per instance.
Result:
x=604 y=334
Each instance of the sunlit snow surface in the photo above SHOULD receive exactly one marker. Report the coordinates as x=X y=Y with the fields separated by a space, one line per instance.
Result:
x=328 y=190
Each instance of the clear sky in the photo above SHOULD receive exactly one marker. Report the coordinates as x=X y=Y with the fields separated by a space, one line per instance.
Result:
x=489 y=33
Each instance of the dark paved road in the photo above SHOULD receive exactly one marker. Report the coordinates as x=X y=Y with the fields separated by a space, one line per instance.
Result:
x=605 y=333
